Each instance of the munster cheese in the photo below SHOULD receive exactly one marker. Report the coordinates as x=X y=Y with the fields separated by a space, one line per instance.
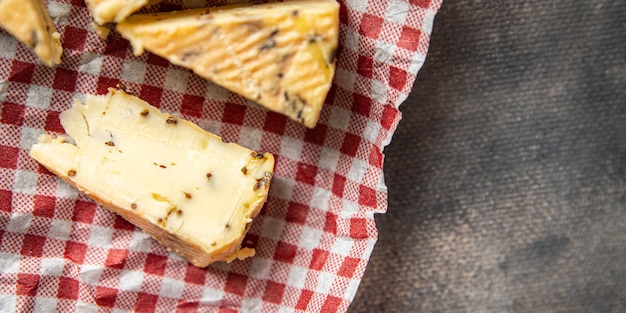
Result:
x=29 y=22
x=280 y=55
x=192 y=192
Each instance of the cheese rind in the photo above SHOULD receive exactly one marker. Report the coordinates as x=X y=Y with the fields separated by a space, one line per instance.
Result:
x=280 y=55
x=192 y=192
x=30 y=23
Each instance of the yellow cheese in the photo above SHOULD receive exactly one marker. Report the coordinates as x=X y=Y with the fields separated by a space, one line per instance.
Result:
x=109 y=11
x=280 y=55
x=30 y=22
x=192 y=192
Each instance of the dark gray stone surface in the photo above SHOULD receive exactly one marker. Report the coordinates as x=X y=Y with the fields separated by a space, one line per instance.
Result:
x=507 y=174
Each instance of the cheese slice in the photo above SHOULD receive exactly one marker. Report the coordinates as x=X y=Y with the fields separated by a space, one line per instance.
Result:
x=114 y=11
x=192 y=192
x=280 y=55
x=29 y=22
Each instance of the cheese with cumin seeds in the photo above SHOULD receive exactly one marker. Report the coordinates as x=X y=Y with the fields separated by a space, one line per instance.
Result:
x=29 y=22
x=279 y=55
x=192 y=192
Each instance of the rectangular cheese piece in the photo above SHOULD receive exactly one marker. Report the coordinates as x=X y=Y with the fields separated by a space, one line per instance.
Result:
x=30 y=23
x=192 y=192
x=114 y=11
x=280 y=55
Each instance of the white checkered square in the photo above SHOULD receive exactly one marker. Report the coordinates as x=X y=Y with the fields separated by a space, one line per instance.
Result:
x=9 y=263
x=25 y=182
x=353 y=286
x=19 y=223
x=342 y=246
x=171 y=288
x=60 y=229
x=86 y=307
x=7 y=302
x=100 y=236
x=330 y=158
x=379 y=91
x=345 y=79
x=291 y=147
x=140 y=242
x=351 y=40
x=348 y=208
x=357 y=170
x=397 y=11
x=176 y=257
x=44 y=304
x=250 y=137
x=64 y=190
x=281 y=188
x=176 y=79
x=216 y=92
x=9 y=46
x=339 y=118
x=427 y=25
x=80 y=97
x=3 y=87
x=297 y=276
x=210 y=295
x=29 y=137
x=211 y=126
x=131 y=280
x=59 y=12
x=52 y=266
x=371 y=132
x=39 y=97
x=90 y=274
x=222 y=266
x=384 y=52
x=416 y=62
x=249 y=304
x=90 y=63
x=133 y=71
x=272 y=228
x=283 y=309
x=381 y=186
x=357 y=5
x=324 y=282
x=310 y=238
x=260 y=267
x=320 y=198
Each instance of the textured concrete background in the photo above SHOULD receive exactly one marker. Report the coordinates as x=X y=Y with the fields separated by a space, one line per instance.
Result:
x=507 y=174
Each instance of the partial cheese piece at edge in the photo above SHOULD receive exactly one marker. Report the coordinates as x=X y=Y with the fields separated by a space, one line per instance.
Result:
x=280 y=55
x=30 y=23
x=114 y=11
x=192 y=192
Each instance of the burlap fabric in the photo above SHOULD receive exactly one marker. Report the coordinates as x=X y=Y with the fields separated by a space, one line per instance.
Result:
x=507 y=173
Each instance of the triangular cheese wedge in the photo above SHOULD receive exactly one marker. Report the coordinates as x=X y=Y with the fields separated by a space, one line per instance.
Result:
x=192 y=192
x=114 y=11
x=30 y=22
x=280 y=55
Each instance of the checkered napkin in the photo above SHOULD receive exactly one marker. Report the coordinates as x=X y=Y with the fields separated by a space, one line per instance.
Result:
x=61 y=252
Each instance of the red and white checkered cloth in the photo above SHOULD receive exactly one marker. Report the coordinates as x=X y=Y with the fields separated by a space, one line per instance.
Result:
x=61 y=252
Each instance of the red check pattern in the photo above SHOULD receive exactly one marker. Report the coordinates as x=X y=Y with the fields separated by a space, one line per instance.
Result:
x=61 y=252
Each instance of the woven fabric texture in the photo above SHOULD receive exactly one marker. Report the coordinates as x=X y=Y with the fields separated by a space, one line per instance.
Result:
x=507 y=173
x=61 y=252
